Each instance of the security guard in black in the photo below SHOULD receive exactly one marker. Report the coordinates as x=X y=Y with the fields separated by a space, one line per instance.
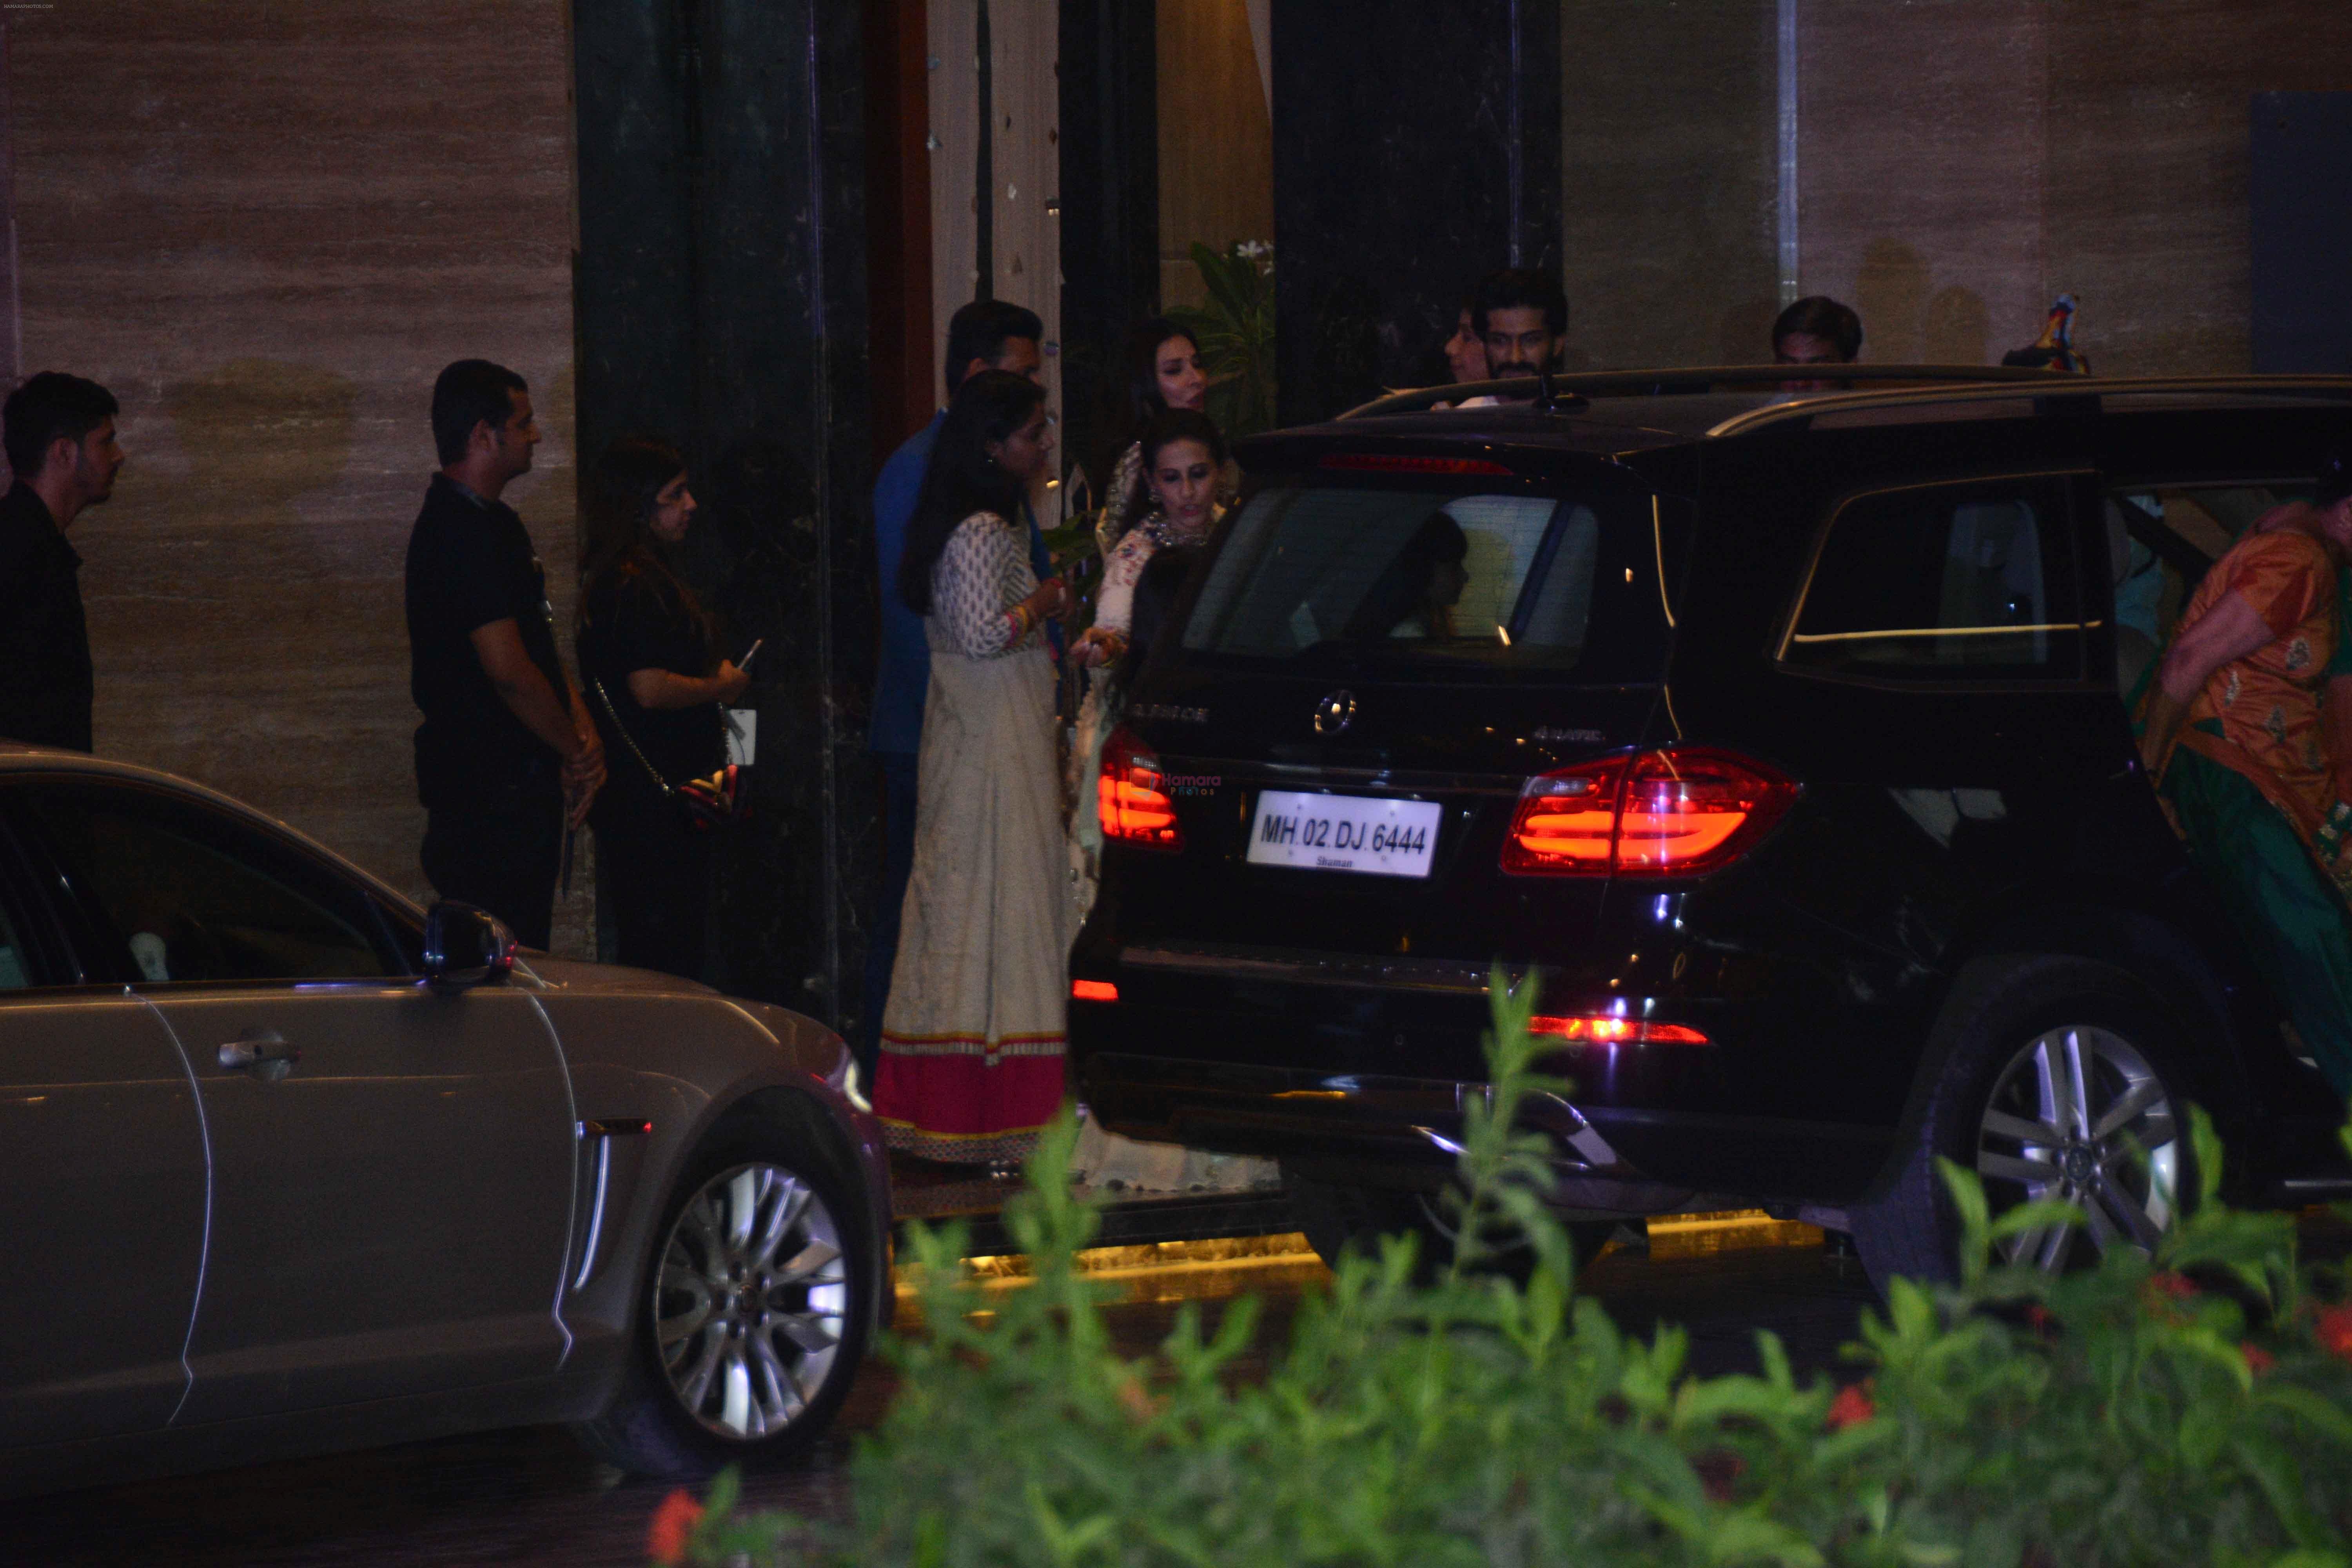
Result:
x=46 y=682
x=492 y=790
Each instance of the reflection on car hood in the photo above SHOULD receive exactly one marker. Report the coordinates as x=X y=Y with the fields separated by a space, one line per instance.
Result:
x=572 y=975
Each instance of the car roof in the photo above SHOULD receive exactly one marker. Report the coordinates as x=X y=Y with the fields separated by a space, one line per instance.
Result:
x=1602 y=425
x=20 y=758
x=1620 y=413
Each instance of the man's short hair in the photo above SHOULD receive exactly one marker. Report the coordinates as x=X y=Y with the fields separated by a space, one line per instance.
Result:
x=980 y=331
x=1819 y=316
x=49 y=407
x=464 y=396
x=1516 y=289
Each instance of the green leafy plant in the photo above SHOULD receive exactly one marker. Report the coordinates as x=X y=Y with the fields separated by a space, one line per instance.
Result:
x=1236 y=333
x=2192 y=1408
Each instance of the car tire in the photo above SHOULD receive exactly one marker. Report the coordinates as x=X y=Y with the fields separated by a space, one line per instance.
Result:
x=2047 y=1072
x=1338 y=1217
x=751 y=1316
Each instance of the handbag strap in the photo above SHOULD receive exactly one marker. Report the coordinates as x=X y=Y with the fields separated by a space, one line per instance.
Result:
x=628 y=740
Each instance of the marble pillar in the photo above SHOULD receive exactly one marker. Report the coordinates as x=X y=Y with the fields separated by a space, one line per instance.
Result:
x=1111 y=213
x=721 y=299
x=1416 y=147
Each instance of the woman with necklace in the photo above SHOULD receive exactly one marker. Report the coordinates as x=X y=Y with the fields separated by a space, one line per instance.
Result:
x=1183 y=458
x=1163 y=376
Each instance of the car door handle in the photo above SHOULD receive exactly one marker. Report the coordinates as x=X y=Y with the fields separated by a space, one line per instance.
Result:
x=262 y=1052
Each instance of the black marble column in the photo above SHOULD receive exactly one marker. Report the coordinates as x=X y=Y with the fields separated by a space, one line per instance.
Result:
x=721 y=301
x=1416 y=148
x=1111 y=210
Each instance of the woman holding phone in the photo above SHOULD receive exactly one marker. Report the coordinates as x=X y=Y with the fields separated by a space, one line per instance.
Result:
x=650 y=666
x=970 y=1067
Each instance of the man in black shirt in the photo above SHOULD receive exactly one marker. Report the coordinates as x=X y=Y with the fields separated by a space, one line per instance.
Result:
x=62 y=453
x=508 y=754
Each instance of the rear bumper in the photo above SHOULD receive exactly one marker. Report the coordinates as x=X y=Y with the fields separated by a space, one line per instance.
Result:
x=1795 y=1092
x=1383 y=1131
x=1404 y=1131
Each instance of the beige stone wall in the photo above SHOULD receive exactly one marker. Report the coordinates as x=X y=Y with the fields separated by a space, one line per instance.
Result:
x=2146 y=195
x=1960 y=163
x=265 y=226
x=1666 y=180
x=1920 y=170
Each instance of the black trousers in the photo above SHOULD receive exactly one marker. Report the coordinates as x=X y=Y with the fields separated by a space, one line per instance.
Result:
x=506 y=861
x=897 y=863
x=657 y=872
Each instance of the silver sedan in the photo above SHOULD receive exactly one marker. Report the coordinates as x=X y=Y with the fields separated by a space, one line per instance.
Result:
x=288 y=1164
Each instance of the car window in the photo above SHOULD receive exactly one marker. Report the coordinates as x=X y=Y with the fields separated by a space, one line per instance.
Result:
x=2160 y=538
x=1430 y=577
x=1938 y=582
x=191 y=894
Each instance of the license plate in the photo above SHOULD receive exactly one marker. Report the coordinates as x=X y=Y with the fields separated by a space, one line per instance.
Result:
x=1344 y=833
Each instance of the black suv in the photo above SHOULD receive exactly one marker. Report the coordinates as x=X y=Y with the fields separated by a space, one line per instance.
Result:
x=1780 y=739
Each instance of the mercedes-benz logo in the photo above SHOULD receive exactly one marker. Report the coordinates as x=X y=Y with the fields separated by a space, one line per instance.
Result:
x=1335 y=713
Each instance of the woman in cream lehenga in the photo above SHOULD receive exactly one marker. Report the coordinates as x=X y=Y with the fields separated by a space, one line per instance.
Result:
x=1183 y=460
x=973 y=1039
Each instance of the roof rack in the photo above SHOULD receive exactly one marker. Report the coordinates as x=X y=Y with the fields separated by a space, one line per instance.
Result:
x=1563 y=386
x=2075 y=395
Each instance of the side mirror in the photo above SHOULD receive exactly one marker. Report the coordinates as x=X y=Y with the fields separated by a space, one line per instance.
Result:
x=466 y=946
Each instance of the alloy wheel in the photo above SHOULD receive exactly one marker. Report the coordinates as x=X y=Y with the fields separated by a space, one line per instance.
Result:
x=749 y=1302
x=2079 y=1116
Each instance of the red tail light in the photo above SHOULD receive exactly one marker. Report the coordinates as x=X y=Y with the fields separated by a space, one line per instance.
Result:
x=1600 y=1029
x=1093 y=990
x=1673 y=812
x=1567 y=822
x=1131 y=799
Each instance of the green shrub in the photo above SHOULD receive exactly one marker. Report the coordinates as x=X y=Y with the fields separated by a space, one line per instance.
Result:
x=2126 y=1416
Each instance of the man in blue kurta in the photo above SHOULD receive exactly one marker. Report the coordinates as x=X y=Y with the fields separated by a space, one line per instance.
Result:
x=987 y=334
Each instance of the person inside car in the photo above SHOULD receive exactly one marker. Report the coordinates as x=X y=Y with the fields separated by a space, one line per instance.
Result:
x=1415 y=596
x=2231 y=730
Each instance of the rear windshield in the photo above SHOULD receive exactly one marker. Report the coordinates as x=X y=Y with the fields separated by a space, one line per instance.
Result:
x=1502 y=579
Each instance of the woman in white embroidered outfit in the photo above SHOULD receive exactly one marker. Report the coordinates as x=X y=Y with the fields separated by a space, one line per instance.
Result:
x=973 y=1039
x=1184 y=457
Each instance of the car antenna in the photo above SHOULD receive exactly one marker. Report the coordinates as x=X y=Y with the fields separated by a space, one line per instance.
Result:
x=1549 y=399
